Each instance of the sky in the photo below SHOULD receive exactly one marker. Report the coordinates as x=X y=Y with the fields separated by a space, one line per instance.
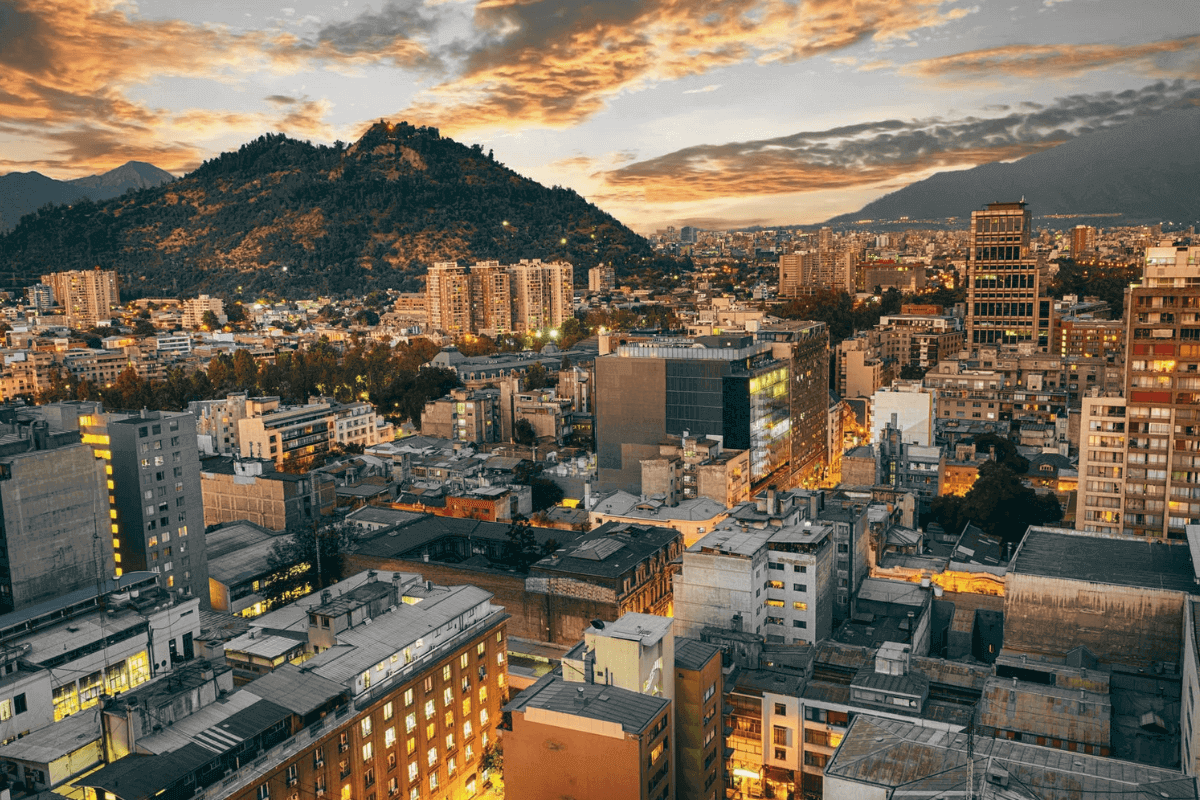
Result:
x=715 y=113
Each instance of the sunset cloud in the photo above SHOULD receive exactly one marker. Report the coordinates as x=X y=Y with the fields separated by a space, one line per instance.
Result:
x=555 y=63
x=876 y=152
x=1166 y=58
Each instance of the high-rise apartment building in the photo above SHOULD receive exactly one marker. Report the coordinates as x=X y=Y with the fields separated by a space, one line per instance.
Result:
x=1162 y=395
x=543 y=295
x=86 y=296
x=601 y=279
x=1083 y=241
x=1004 y=297
x=804 y=346
x=491 y=298
x=448 y=298
x=796 y=273
x=1101 y=464
x=496 y=299
x=194 y=309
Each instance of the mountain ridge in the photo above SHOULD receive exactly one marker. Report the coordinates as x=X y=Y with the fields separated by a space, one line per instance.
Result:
x=23 y=193
x=1139 y=170
x=283 y=217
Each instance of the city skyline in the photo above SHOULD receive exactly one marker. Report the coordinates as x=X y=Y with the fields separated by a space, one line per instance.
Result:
x=660 y=113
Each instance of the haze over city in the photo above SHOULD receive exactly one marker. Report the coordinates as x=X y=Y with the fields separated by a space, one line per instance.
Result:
x=664 y=112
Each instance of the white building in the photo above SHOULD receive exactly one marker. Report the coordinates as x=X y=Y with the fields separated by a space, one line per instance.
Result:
x=913 y=406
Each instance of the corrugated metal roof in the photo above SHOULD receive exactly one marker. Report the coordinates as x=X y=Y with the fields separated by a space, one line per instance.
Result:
x=1116 y=560
x=632 y=710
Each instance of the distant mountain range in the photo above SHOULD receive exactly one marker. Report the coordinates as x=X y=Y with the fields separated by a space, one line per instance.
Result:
x=291 y=219
x=22 y=193
x=1146 y=171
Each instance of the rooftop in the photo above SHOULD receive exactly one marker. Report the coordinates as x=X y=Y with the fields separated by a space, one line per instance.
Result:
x=631 y=710
x=610 y=550
x=1108 y=559
x=694 y=654
x=648 y=629
x=932 y=763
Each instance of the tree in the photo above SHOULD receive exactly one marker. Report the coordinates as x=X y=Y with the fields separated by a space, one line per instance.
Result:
x=522 y=548
x=367 y=317
x=998 y=503
x=210 y=321
x=535 y=376
x=523 y=433
x=235 y=314
x=142 y=327
x=245 y=370
x=1006 y=451
x=293 y=561
x=546 y=493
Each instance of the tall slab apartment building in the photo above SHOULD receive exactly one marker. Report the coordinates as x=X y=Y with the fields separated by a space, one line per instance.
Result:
x=1004 y=292
x=1139 y=466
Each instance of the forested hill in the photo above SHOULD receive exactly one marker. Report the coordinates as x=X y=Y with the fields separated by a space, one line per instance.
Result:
x=286 y=218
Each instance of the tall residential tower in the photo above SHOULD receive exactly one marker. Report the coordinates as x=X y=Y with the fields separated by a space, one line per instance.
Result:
x=1004 y=297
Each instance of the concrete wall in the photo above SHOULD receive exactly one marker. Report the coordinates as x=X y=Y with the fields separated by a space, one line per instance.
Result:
x=712 y=588
x=1189 y=722
x=56 y=524
x=1120 y=624
x=625 y=417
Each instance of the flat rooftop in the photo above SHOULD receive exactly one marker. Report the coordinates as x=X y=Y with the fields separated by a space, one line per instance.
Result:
x=1115 y=560
x=693 y=654
x=631 y=710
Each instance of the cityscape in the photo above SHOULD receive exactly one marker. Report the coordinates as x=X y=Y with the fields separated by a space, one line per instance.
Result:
x=412 y=400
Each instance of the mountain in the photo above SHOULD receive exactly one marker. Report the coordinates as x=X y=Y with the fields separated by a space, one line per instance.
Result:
x=22 y=193
x=130 y=175
x=291 y=219
x=1145 y=170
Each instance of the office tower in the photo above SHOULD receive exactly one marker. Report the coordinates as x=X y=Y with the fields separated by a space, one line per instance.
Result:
x=687 y=234
x=448 y=298
x=796 y=273
x=491 y=299
x=1004 y=298
x=727 y=387
x=54 y=512
x=1083 y=240
x=1162 y=395
x=543 y=295
x=804 y=346
x=87 y=296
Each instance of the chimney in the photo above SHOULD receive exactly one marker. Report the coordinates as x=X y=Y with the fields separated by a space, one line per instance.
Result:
x=772 y=507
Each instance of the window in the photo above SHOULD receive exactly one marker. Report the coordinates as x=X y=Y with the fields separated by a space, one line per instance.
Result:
x=264 y=791
x=463 y=661
x=799 y=623
x=781 y=736
x=800 y=587
x=412 y=771
x=408 y=698
x=446 y=673
x=780 y=755
x=800 y=606
x=433 y=781
x=19 y=706
x=368 y=751
x=780 y=709
x=799 y=568
x=387 y=711
x=343 y=742
x=318 y=758
x=389 y=737
x=448 y=696
x=393 y=786
x=430 y=707
x=365 y=726
x=293 y=774
x=410 y=723
x=432 y=756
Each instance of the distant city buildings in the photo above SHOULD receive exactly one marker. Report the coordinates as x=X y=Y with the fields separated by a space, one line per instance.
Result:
x=86 y=296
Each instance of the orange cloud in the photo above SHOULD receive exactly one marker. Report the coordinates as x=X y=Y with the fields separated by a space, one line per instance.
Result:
x=554 y=63
x=1162 y=58
x=875 y=153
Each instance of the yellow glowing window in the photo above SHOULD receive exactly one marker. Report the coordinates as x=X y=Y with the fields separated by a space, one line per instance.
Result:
x=117 y=544
x=775 y=603
x=118 y=572
x=117 y=556
x=108 y=469
x=115 y=528
x=105 y=454
x=94 y=438
x=800 y=606
x=112 y=512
